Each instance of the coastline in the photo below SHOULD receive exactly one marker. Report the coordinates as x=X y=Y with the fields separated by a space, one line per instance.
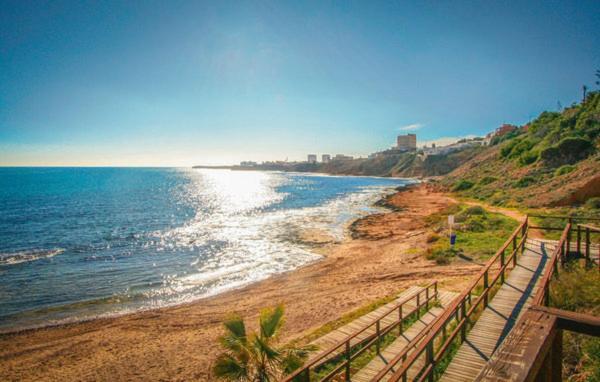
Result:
x=178 y=343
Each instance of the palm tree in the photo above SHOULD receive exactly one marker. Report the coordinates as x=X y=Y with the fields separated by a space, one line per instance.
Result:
x=252 y=357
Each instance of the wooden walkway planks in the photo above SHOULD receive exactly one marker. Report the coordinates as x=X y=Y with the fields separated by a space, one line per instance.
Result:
x=378 y=363
x=336 y=336
x=496 y=321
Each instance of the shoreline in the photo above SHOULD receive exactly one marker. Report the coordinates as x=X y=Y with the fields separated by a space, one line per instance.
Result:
x=309 y=239
x=380 y=257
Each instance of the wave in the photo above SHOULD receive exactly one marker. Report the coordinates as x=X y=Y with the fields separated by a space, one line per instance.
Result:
x=27 y=256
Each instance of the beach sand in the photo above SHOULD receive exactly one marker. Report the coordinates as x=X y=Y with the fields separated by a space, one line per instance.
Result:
x=179 y=343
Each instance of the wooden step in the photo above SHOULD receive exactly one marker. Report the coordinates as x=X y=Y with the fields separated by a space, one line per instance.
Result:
x=380 y=361
x=334 y=337
x=495 y=322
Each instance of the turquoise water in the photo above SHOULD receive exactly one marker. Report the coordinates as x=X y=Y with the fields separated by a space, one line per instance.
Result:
x=78 y=243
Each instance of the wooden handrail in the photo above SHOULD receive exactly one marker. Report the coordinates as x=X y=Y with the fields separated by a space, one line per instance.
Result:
x=319 y=360
x=592 y=218
x=424 y=340
x=590 y=227
x=542 y=292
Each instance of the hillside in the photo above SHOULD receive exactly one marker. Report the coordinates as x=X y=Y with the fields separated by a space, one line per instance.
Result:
x=409 y=165
x=554 y=161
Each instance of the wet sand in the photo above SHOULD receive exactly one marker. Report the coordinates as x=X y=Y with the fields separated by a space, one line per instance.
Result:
x=179 y=343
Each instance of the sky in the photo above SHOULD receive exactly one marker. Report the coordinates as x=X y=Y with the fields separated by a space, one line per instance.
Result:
x=179 y=83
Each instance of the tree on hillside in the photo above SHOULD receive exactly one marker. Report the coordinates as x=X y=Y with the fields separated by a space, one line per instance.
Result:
x=598 y=77
x=253 y=357
x=584 y=88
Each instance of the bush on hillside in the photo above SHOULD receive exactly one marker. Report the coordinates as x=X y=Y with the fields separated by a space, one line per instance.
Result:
x=462 y=185
x=443 y=256
x=593 y=203
x=474 y=210
x=568 y=151
x=487 y=180
x=525 y=181
x=562 y=170
x=528 y=157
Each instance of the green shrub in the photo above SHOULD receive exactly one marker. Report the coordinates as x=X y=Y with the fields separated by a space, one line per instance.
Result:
x=562 y=170
x=525 y=181
x=433 y=238
x=577 y=290
x=568 y=151
x=487 y=180
x=593 y=203
x=462 y=185
x=443 y=256
x=528 y=157
x=474 y=210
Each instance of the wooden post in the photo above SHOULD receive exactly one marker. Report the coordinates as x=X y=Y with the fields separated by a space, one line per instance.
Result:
x=418 y=304
x=485 y=288
x=430 y=360
x=569 y=239
x=579 y=239
x=463 y=329
x=400 y=319
x=502 y=265
x=307 y=375
x=587 y=243
x=347 y=360
x=435 y=289
x=557 y=357
x=427 y=298
x=378 y=330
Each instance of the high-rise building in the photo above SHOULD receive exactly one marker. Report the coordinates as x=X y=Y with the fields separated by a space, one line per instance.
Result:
x=325 y=158
x=407 y=142
x=312 y=158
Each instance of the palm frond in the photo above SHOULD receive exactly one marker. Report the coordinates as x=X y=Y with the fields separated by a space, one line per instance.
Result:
x=270 y=321
x=263 y=347
x=293 y=358
x=228 y=368
x=235 y=325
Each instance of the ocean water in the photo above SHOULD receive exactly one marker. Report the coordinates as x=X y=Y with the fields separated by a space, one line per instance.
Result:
x=78 y=243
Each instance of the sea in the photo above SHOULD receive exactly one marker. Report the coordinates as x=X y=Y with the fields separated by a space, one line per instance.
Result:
x=82 y=243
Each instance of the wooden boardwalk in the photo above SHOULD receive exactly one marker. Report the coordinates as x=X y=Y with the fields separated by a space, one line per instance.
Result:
x=336 y=336
x=503 y=310
x=379 y=362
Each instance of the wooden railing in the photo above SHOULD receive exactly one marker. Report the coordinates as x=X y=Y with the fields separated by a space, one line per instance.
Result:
x=422 y=298
x=461 y=309
x=542 y=294
x=588 y=229
x=533 y=349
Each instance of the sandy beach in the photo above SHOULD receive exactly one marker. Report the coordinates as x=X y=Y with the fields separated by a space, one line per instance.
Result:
x=179 y=343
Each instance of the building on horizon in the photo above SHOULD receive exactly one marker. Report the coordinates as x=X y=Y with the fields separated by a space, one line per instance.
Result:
x=342 y=157
x=325 y=158
x=312 y=158
x=407 y=142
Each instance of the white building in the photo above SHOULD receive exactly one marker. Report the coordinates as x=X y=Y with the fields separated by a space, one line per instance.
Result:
x=325 y=158
x=312 y=158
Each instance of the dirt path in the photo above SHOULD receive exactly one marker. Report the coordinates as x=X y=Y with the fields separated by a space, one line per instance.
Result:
x=179 y=343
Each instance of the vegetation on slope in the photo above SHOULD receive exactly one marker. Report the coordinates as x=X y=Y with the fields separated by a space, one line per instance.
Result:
x=553 y=161
x=479 y=234
x=577 y=290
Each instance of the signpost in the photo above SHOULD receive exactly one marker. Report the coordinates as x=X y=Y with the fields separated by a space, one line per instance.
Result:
x=450 y=225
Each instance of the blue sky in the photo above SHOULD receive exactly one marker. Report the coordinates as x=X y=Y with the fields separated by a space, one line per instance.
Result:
x=182 y=83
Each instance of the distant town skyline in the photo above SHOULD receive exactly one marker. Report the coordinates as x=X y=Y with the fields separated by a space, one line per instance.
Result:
x=159 y=84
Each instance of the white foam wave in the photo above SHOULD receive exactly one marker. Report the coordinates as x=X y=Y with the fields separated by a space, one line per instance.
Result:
x=27 y=256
